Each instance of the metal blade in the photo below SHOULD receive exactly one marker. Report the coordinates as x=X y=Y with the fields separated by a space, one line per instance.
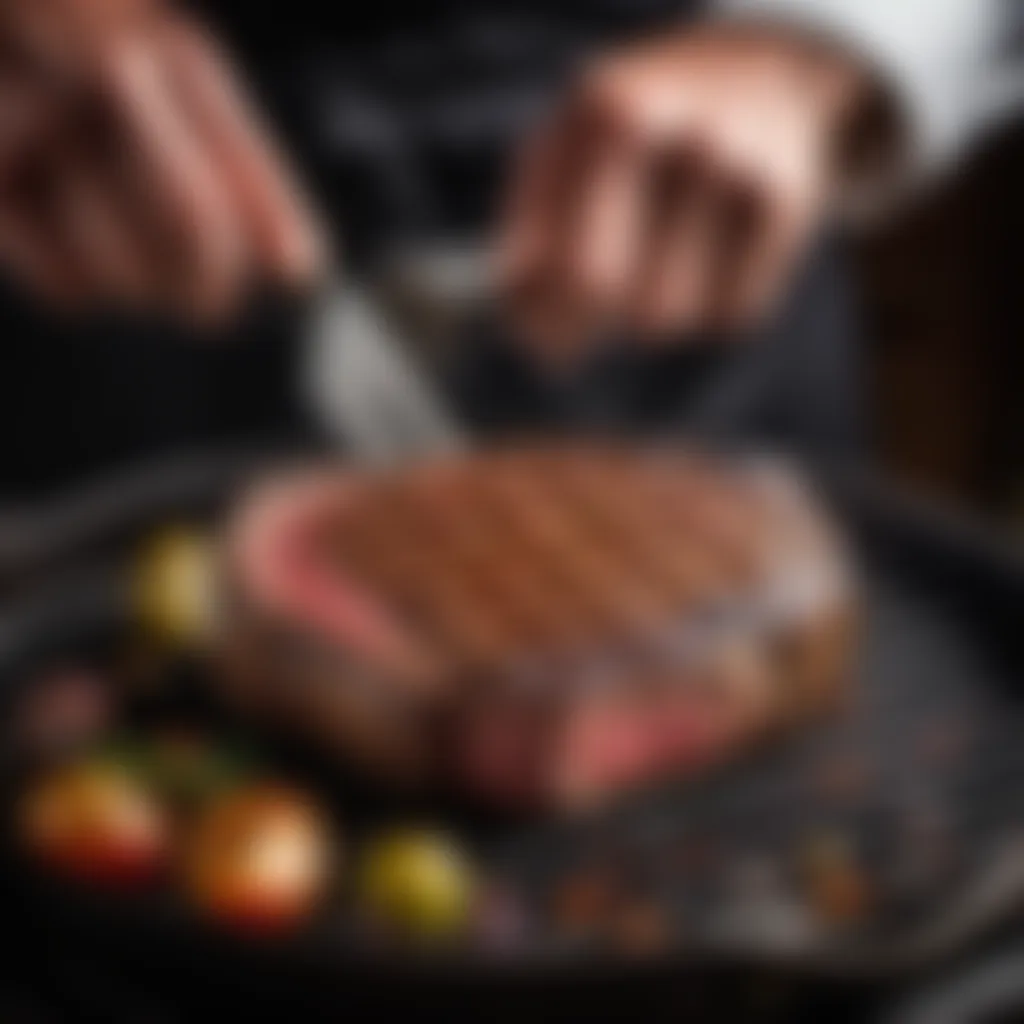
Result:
x=364 y=387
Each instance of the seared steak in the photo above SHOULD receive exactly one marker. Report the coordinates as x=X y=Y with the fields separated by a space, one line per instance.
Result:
x=537 y=627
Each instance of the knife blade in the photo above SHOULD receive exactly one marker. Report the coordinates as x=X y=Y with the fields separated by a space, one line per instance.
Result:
x=364 y=385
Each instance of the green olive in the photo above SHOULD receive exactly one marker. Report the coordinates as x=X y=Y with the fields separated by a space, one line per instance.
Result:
x=418 y=883
x=172 y=587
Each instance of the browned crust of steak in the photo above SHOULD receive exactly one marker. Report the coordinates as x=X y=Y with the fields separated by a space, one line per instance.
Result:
x=555 y=624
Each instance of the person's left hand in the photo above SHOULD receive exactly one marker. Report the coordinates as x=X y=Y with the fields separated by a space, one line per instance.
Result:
x=675 y=188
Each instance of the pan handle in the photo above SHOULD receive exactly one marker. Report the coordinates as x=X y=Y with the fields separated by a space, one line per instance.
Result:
x=35 y=537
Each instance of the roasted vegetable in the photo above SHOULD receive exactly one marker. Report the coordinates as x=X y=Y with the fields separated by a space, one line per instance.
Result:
x=418 y=884
x=260 y=859
x=94 y=821
x=172 y=588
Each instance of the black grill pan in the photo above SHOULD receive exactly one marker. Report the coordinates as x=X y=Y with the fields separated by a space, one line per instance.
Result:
x=925 y=766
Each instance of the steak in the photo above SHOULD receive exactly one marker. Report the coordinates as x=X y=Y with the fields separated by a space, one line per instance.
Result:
x=537 y=627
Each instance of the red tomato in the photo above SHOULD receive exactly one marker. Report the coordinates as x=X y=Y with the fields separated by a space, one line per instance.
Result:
x=93 y=821
x=260 y=859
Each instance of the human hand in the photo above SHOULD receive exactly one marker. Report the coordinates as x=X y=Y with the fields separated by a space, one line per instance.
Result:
x=675 y=188
x=133 y=171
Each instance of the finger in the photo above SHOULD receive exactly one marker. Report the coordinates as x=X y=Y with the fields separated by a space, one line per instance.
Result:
x=683 y=246
x=580 y=224
x=171 y=182
x=537 y=186
x=599 y=239
x=765 y=238
x=26 y=121
x=280 y=229
x=117 y=262
x=33 y=248
x=25 y=255
x=777 y=194
x=532 y=258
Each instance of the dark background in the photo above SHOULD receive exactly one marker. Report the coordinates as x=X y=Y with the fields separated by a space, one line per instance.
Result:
x=944 y=291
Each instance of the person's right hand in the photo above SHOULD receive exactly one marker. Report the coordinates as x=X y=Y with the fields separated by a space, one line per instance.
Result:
x=132 y=170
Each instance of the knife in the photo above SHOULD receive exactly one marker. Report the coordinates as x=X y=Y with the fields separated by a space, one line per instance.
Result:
x=366 y=382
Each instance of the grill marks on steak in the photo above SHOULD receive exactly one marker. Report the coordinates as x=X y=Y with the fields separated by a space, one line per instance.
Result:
x=541 y=553
x=547 y=625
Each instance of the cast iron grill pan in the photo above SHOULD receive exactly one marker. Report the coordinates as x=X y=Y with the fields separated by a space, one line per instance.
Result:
x=917 y=790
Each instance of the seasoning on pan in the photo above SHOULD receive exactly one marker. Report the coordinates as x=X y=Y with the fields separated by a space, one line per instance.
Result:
x=582 y=902
x=835 y=883
x=640 y=928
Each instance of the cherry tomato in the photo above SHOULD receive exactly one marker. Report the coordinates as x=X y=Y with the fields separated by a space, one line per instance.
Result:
x=260 y=859
x=93 y=821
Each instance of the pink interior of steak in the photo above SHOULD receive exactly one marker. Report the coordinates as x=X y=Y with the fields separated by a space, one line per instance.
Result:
x=524 y=753
x=596 y=746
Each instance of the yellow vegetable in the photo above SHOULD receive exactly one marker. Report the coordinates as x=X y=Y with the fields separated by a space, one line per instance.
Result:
x=418 y=883
x=173 y=588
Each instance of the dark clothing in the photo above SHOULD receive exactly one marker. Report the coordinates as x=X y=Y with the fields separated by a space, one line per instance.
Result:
x=403 y=126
